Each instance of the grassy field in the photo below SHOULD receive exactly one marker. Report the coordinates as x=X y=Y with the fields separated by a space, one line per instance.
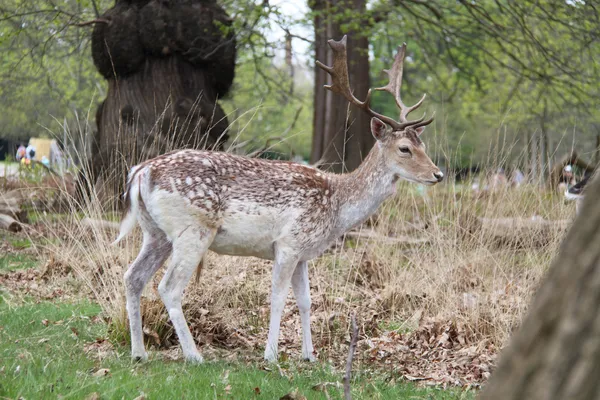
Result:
x=61 y=349
x=437 y=282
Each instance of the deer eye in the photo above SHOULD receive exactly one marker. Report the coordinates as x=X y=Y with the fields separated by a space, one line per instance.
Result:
x=405 y=150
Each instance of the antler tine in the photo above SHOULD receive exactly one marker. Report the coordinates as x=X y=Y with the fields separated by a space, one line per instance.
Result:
x=422 y=123
x=341 y=82
x=395 y=85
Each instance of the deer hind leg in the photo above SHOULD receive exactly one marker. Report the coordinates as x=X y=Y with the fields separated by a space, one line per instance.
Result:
x=301 y=288
x=188 y=249
x=283 y=268
x=155 y=250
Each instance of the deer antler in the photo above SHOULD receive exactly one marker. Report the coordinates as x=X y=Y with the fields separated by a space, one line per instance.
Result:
x=341 y=84
x=395 y=85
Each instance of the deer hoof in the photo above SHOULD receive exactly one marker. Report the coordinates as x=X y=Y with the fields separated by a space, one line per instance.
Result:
x=194 y=359
x=140 y=357
x=270 y=357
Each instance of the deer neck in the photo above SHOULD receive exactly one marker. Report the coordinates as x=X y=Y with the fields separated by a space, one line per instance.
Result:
x=362 y=191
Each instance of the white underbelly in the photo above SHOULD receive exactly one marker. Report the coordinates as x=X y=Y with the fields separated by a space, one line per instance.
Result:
x=235 y=244
x=247 y=235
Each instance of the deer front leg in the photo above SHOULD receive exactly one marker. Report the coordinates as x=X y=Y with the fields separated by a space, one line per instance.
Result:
x=301 y=287
x=283 y=269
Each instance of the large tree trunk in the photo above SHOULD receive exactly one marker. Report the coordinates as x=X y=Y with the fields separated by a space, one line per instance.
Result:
x=167 y=105
x=555 y=355
x=341 y=135
x=166 y=65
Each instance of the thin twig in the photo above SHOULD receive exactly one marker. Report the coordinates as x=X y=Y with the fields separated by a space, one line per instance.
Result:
x=94 y=21
x=353 y=340
x=96 y=9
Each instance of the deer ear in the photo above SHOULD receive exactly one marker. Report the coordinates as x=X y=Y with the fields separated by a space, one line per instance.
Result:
x=378 y=128
x=420 y=130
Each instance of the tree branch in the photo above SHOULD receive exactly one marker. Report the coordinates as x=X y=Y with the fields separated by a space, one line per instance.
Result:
x=92 y=22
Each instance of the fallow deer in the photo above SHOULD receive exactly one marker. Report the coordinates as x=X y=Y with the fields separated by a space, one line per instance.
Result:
x=577 y=192
x=189 y=201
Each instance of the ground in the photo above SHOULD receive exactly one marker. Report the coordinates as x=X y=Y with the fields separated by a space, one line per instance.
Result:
x=59 y=349
x=53 y=344
x=435 y=289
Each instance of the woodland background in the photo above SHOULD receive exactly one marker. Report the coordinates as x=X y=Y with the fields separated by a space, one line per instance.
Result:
x=504 y=79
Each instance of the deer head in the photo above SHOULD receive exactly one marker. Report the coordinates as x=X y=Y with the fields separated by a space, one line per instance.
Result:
x=401 y=147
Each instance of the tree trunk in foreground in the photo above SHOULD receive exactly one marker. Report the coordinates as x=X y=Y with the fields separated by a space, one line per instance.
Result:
x=555 y=354
x=341 y=134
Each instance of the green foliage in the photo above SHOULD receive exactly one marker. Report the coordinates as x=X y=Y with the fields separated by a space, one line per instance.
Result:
x=490 y=68
x=47 y=69
x=270 y=110
x=522 y=67
x=13 y=262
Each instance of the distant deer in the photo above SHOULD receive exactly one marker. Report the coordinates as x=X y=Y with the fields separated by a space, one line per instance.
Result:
x=577 y=192
x=188 y=202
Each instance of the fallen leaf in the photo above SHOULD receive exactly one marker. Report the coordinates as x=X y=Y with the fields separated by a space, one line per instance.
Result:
x=142 y=396
x=293 y=395
x=153 y=335
x=75 y=331
x=322 y=387
x=228 y=389
x=44 y=340
x=414 y=378
x=256 y=390
x=102 y=372
x=45 y=322
x=283 y=356
x=225 y=377
x=93 y=396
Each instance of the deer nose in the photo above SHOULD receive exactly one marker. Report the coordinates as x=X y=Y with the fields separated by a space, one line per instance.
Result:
x=438 y=175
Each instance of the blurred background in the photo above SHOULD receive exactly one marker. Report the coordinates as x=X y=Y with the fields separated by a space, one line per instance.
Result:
x=511 y=84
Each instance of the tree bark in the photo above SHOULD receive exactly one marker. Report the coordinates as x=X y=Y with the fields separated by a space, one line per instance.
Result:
x=165 y=106
x=555 y=354
x=533 y=158
x=320 y=25
x=544 y=148
x=9 y=223
x=166 y=64
x=597 y=152
x=341 y=134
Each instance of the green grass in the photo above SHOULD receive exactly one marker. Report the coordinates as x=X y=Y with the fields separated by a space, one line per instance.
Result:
x=19 y=242
x=13 y=262
x=49 y=218
x=42 y=356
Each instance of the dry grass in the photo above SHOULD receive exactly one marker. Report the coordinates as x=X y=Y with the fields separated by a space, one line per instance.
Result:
x=455 y=278
x=437 y=283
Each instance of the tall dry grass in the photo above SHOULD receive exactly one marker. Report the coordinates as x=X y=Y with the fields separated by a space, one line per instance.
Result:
x=423 y=256
x=427 y=255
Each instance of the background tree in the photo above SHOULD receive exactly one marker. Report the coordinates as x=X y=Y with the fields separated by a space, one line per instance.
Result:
x=341 y=134
x=524 y=66
x=166 y=64
x=490 y=69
